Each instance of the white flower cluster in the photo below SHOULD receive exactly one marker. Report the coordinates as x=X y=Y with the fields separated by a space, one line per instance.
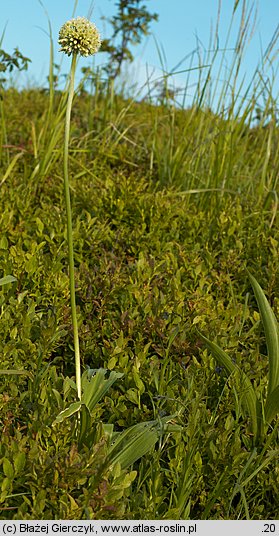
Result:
x=79 y=36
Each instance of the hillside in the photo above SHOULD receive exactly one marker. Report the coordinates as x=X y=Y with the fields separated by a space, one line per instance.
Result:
x=170 y=207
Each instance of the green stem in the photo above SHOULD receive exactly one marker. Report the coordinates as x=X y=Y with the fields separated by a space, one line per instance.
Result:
x=69 y=222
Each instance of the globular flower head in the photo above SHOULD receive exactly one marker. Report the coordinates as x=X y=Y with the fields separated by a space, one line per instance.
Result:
x=79 y=36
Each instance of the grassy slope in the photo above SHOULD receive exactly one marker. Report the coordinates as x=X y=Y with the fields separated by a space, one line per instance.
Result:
x=169 y=208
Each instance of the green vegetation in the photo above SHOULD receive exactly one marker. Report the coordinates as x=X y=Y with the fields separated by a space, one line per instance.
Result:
x=175 y=233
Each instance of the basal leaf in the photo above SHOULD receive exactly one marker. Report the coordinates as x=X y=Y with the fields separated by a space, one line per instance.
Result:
x=84 y=425
x=271 y=330
x=95 y=387
x=272 y=405
x=248 y=394
x=130 y=445
x=71 y=410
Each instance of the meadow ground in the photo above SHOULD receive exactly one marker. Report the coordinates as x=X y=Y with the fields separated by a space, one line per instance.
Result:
x=169 y=209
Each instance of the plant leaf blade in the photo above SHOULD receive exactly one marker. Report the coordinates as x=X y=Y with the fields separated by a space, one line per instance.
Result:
x=7 y=279
x=270 y=325
x=133 y=443
x=272 y=405
x=68 y=412
x=95 y=387
x=248 y=394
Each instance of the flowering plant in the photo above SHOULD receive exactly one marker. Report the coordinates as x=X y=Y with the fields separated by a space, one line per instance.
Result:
x=77 y=36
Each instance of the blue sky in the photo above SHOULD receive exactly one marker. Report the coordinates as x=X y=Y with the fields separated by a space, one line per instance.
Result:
x=180 y=23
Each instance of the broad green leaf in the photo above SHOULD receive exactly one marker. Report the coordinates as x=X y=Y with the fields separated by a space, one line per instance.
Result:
x=95 y=387
x=272 y=405
x=271 y=330
x=7 y=279
x=71 y=410
x=129 y=446
x=132 y=444
x=248 y=394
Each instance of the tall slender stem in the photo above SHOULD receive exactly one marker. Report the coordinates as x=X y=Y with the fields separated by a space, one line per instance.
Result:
x=69 y=222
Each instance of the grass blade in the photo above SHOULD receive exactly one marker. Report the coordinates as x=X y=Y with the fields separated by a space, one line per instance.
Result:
x=15 y=372
x=11 y=167
x=270 y=457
